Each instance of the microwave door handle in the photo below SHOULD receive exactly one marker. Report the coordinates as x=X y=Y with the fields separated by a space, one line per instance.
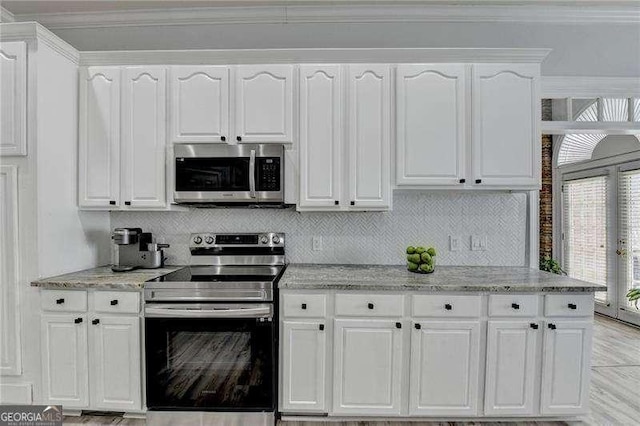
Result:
x=252 y=173
x=260 y=312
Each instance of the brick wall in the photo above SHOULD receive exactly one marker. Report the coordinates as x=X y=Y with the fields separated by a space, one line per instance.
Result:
x=546 y=193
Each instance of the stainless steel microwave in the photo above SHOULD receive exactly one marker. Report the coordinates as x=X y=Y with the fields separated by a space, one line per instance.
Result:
x=220 y=174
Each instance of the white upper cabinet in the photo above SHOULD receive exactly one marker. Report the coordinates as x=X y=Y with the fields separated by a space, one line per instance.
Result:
x=506 y=125
x=13 y=102
x=321 y=135
x=444 y=368
x=431 y=120
x=99 y=149
x=143 y=137
x=264 y=103
x=566 y=367
x=369 y=122
x=199 y=104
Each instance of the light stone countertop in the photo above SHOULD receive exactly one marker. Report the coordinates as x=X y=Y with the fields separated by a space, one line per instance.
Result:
x=445 y=278
x=104 y=278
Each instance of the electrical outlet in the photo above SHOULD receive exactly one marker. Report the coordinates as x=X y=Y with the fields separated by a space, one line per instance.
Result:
x=316 y=243
x=454 y=243
x=478 y=242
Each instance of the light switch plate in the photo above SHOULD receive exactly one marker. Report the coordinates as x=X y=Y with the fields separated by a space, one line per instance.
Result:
x=316 y=243
x=454 y=243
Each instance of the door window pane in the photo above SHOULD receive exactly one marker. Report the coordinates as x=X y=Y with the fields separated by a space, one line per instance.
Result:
x=629 y=241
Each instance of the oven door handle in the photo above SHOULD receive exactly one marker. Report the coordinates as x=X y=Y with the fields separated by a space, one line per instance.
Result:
x=252 y=173
x=151 y=311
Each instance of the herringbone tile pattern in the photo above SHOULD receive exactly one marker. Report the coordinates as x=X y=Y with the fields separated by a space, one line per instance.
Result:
x=363 y=237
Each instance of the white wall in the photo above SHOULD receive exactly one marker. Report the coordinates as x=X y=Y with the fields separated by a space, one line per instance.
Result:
x=418 y=218
x=594 y=49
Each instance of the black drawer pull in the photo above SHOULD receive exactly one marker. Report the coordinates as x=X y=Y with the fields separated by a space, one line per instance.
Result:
x=534 y=325
x=127 y=203
x=463 y=180
x=303 y=306
x=59 y=301
x=77 y=320
x=114 y=302
x=417 y=326
x=336 y=202
x=448 y=307
x=370 y=305
x=515 y=306
x=113 y=203
x=223 y=138
x=478 y=180
x=398 y=325
x=572 y=306
x=95 y=321
x=238 y=138
x=552 y=326
x=321 y=327
x=353 y=203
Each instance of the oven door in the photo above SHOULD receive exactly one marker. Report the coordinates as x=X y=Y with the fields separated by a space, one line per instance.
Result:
x=210 y=357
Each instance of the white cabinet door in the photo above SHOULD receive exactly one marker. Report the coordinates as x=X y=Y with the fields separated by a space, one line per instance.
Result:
x=143 y=137
x=444 y=368
x=99 y=149
x=199 y=104
x=566 y=367
x=320 y=136
x=303 y=367
x=115 y=363
x=264 y=103
x=369 y=122
x=367 y=367
x=13 y=102
x=64 y=360
x=430 y=124
x=506 y=125
x=511 y=369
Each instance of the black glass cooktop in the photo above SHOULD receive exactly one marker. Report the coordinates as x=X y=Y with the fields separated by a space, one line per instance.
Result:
x=222 y=274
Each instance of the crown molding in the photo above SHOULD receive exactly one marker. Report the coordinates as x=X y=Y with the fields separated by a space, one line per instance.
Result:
x=275 y=56
x=590 y=87
x=6 y=16
x=34 y=33
x=374 y=12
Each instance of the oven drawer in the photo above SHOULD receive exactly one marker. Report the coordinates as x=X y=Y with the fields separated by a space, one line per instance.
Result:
x=432 y=305
x=116 y=302
x=63 y=300
x=513 y=305
x=369 y=305
x=568 y=305
x=304 y=305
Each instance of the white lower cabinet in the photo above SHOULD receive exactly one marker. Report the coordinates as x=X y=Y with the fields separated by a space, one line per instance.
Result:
x=367 y=367
x=64 y=359
x=304 y=346
x=444 y=368
x=511 y=369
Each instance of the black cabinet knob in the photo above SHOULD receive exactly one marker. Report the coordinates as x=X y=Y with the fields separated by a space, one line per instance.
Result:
x=572 y=306
x=417 y=326
x=95 y=321
x=114 y=302
x=303 y=306
x=515 y=306
x=238 y=138
x=534 y=325
x=370 y=305
x=448 y=307
x=463 y=180
x=336 y=202
x=223 y=138
x=552 y=326
x=59 y=301
x=127 y=203
x=353 y=203
x=478 y=180
x=398 y=325
x=321 y=327
x=77 y=320
x=113 y=203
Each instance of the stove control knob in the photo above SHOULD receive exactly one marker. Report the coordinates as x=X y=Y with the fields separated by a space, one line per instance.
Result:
x=197 y=239
x=208 y=239
x=275 y=239
x=264 y=239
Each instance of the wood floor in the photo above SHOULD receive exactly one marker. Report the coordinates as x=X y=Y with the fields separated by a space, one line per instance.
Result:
x=615 y=386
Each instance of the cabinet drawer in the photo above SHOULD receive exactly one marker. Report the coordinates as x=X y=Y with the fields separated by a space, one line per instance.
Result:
x=569 y=305
x=369 y=305
x=304 y=305
x=116 y=302
x=513 y=305
x=436 y=305
x=63 y=300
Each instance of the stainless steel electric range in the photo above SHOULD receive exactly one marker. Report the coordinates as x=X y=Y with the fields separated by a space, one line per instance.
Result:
x=210 y=333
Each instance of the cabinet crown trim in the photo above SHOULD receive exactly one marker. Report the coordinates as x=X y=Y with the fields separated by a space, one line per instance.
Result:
x=34 y=33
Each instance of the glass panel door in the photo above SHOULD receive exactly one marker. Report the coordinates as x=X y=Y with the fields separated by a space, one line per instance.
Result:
x=628 y=249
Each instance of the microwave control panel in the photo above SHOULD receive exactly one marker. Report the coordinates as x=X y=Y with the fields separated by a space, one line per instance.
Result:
x=268 y=174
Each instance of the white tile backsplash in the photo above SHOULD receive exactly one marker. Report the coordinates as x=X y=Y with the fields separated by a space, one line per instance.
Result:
x=418 y=218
